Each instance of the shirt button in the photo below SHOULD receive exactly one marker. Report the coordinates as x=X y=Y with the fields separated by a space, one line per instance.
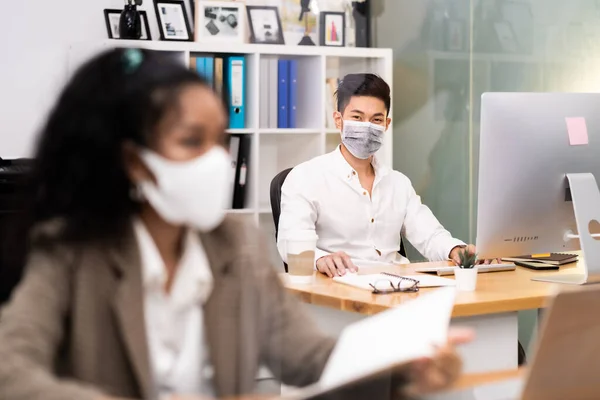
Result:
x=353 y=172
x=378 y=252
x=372 y=220
x=365 y=193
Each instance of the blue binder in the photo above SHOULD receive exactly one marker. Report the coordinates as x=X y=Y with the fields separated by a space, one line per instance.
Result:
x=293 y=93
x=209 y=71
x=236 y=91
x=200 y=66
x=283 y=76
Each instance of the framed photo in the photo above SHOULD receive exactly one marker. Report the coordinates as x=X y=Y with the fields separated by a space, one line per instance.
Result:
x=332 y=29
x=173 y=22
x=265 y=25
x=506 y=37
x=219 y=21
x=112 y=17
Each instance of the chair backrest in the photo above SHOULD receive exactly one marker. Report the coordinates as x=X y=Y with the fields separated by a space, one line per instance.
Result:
x=276 y=185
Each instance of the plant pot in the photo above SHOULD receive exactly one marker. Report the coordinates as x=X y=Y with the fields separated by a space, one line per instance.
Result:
x=466 y=279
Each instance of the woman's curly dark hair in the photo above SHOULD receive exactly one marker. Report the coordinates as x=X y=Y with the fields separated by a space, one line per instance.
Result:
x=79 y=175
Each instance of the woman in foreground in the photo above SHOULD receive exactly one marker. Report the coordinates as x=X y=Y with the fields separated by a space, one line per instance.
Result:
x=137 y=285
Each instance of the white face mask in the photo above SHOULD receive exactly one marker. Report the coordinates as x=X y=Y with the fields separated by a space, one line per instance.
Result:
x=195 y=193
x=362 y=139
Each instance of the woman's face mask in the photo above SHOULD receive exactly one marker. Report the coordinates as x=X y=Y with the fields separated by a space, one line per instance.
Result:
x=194 y=193
x=362 y=139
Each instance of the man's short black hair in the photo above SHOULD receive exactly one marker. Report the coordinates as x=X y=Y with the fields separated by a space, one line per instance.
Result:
x=362 y=85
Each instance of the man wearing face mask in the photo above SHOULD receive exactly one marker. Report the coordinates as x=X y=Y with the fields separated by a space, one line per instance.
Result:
x=357 y=206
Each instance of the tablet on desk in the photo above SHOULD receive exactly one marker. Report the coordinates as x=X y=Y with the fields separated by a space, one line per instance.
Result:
x=449 y=270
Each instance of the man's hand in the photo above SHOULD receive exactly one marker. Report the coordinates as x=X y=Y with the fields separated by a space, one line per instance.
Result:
x=442 y=370
x=335 y=264
x=454 y=255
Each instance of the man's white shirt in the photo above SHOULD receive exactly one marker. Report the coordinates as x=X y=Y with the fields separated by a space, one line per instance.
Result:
x=324 y=195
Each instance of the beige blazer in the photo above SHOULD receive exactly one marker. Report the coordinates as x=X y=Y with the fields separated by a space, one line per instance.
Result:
x=74 y=328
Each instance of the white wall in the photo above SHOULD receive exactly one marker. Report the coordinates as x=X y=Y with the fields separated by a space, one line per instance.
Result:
x=34 y=39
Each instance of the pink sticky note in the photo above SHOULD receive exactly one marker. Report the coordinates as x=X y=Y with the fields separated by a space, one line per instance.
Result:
x=577 y=129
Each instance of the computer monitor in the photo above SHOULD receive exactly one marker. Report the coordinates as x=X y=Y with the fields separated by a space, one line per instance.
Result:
x=539 y=155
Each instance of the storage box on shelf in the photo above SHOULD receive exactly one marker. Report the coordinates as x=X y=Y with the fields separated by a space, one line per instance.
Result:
x=274 y=144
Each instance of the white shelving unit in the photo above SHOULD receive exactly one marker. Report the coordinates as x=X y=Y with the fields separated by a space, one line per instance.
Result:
x=274 y=150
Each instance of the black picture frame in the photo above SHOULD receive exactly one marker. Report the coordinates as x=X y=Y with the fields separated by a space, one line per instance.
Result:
x=323 y=26
x=253 y=28
x=188 y=30
x=113 y=11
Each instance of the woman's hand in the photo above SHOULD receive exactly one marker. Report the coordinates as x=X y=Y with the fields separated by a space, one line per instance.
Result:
x=429 y=375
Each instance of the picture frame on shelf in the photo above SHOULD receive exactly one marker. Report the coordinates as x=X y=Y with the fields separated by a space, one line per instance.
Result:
x=265 y=25
x=191 y=11
x=173 y=22
x=332 y=29
x=506 y=37
x=112 y=17
x=220 y=21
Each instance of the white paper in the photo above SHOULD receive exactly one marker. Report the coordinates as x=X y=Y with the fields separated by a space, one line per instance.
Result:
x=390 y=338
x=364 y=281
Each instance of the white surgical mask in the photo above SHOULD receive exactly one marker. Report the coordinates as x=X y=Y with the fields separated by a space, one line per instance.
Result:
x=362 y=139
x=195 y=193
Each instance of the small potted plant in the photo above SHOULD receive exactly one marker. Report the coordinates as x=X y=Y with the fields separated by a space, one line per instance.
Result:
x=466 y=271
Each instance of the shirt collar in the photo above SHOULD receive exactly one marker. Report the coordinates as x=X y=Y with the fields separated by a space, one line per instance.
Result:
x=193 y=265
x=153 y=271
x=346 y=171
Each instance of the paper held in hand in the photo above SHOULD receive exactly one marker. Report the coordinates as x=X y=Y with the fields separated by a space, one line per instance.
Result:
x=386 y=340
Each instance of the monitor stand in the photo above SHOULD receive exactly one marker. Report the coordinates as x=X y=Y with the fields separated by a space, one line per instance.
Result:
x=586 y=204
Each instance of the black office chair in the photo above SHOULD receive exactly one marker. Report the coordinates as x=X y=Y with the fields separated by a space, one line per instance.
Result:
x=13 y=248
x=276 y=185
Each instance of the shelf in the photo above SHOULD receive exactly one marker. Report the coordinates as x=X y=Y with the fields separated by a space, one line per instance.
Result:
x=248 y=48
x=292 y=131
x=241 y=211
x=240 y=131
x=332 y=131
x=265 y=210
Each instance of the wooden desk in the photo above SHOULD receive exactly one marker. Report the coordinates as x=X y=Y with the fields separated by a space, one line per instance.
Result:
x=472 y=380
x=497 y=292
x=492 y=310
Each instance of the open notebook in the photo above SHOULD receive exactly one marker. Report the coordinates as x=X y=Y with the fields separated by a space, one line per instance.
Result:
x=365 y=281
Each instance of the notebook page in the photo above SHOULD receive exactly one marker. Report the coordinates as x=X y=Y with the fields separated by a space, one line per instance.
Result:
x=390 y=338
x=364 y=281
